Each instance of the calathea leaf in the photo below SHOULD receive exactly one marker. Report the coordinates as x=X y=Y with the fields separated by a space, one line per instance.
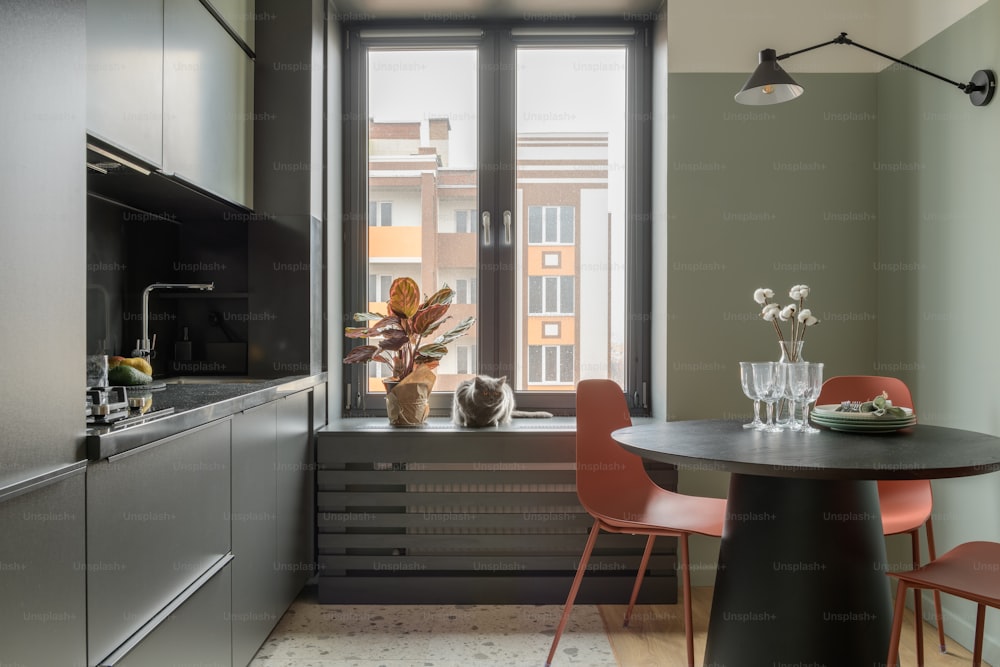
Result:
x=404 y=297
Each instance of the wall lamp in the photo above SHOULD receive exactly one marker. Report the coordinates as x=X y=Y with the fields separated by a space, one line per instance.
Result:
x=769 y=84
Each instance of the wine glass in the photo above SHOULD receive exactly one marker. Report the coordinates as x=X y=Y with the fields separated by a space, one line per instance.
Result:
x=793 y=390
x=750 y=391
x=769 y=380
x=815 y=386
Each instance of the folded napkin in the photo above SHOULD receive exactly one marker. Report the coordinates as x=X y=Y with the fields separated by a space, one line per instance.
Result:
x=880 y=405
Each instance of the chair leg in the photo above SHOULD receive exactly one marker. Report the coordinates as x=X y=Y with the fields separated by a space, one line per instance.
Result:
x=638 y=578
x=897 y=624
x=594 y=532
x=688 y=620
x=977 y=655
x=918 y=600
x=932 y=554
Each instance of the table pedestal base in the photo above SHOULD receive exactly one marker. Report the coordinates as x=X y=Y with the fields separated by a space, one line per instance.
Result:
x=801 y=577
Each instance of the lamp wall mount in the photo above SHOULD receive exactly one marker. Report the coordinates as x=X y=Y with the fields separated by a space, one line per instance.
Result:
x=770 y=84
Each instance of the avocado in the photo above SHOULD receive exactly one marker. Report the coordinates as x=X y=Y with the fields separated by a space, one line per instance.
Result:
x=127 y=376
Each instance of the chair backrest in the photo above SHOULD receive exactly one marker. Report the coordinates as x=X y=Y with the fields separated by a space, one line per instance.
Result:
x=604 y=470
x=863 y=388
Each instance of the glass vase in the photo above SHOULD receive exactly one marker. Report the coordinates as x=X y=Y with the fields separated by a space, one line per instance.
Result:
x=787 y=413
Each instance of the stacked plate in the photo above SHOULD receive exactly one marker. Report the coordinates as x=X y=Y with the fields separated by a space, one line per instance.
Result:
x=860 y=422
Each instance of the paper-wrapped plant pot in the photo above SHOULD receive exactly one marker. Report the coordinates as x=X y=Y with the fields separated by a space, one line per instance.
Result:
x=407 y=402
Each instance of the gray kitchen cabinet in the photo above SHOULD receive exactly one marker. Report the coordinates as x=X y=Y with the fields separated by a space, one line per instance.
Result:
x=125 y=75
x=271 y=516
x=207 y=104
x=239 y=16
x=158 y=519
x=194 y=631
x=42 y=575
x=256 y=605
x=294 y=559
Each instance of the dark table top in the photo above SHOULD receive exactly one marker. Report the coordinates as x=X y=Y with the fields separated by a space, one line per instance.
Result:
x=917 y=452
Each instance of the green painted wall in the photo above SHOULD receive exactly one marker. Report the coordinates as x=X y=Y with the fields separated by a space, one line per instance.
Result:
x=939 y=239
x=767 y=196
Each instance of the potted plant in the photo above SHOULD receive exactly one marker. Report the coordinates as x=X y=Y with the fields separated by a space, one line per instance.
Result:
x=404 y=347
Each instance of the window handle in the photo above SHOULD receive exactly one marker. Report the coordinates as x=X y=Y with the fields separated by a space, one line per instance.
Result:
x=487 y=240
x=506 y=227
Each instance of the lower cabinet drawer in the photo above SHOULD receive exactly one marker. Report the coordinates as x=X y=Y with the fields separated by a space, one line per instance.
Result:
x=194 y=631
x=157 y=519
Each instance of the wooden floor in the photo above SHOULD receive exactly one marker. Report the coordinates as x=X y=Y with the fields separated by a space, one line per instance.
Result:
x=655 y=636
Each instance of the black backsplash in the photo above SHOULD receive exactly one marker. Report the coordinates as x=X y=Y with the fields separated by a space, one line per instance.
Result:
x=128 y=249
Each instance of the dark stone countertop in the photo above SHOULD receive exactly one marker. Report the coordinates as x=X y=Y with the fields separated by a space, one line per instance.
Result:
x=193 y=405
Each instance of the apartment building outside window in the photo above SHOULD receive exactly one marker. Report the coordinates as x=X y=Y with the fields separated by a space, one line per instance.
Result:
x=507 y=163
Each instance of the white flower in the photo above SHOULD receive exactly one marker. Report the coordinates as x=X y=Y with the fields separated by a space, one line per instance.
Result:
x=806 y=318
x=770 y=311
x=799 y=292
x=788 y=312
x=762 y=294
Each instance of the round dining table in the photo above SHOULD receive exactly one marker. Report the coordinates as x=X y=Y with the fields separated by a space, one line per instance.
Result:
x=801 y=576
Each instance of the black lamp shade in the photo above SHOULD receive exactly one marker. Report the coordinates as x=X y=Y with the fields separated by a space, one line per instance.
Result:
x=769 y=84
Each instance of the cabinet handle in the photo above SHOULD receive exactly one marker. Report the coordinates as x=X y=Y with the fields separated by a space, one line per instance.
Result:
x=487 y=239
x=506 y=227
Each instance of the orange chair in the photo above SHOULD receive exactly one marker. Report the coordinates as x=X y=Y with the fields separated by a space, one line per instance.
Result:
x=905 y=504
x=613 y=487
x=970 y=571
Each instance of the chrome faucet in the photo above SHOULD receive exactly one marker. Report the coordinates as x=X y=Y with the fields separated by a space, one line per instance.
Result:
x=145 y=346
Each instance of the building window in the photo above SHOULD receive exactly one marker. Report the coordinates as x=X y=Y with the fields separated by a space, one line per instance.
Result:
x=550 y=364
x=465 y=221
x=551 y=225
x=429 y=158
x=378 y=288
x=551 y=295
x=465 y=291
x=466 y=359
x=380 y=214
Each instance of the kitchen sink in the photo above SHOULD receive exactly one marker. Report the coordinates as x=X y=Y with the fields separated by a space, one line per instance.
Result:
x=213 y=379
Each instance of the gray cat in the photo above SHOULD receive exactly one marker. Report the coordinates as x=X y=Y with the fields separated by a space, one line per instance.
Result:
x=486 y=401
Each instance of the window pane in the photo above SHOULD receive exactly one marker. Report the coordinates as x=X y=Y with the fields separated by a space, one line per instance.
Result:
x=565 y=363
x=571 y=111
x=566 y=224
x=534 y=224
x=535 y=363
x=535 y=294
x=566 y=285
x=551 y=294
x=551 y=364
x=422 y=111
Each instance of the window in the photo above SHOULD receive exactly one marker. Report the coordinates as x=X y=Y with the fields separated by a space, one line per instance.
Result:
x=378 y=287
x=380 y=214
x=465 y=221
x=465 y=291
x=540 y=205
x=550 y=295
x=550 y=364
x=551 y=225
x=465 y=356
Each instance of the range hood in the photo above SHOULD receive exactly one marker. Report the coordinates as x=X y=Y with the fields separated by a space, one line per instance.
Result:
x=119 y=177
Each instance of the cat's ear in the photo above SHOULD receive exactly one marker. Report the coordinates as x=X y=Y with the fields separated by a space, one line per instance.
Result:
x=502 y=379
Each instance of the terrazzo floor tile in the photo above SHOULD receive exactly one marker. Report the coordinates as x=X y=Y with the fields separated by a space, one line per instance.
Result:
x=314 y=635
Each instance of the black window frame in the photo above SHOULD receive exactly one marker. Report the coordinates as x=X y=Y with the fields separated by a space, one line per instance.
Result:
x=497 y=42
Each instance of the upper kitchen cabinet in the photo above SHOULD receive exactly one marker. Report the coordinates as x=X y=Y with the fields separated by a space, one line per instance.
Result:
x=207 y=103
x=125 y=75
x=239 y=16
